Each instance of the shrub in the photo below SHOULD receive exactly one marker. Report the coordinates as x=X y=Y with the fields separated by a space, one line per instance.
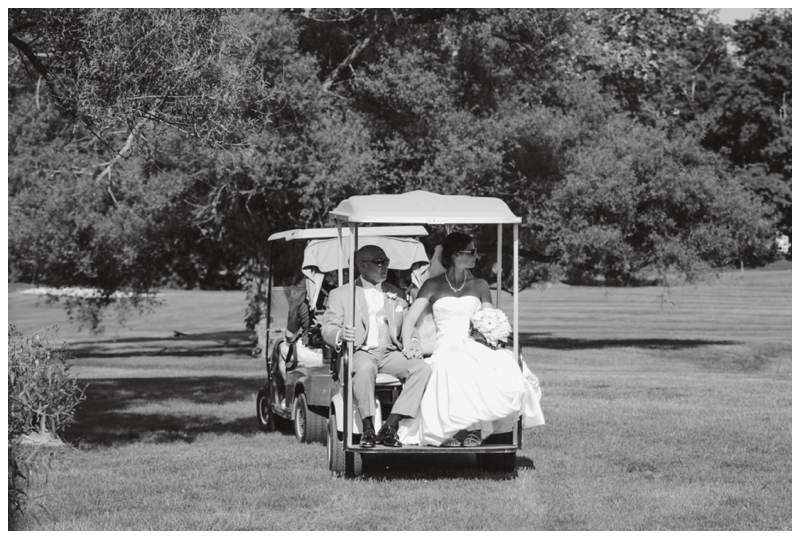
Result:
x=42 y=399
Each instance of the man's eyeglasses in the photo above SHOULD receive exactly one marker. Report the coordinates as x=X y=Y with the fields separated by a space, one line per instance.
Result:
x=380 y=262
x=471 y=252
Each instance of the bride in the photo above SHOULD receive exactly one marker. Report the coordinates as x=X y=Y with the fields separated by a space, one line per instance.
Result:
x=473 y=390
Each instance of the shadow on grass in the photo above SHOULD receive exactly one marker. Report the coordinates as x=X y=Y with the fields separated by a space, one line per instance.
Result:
x=431 y=466
x=105 y=417
x=535 y=340
x=182 y=345
x=223 y=337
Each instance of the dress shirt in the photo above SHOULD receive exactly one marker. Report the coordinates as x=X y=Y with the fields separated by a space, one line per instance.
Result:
x=377 y=314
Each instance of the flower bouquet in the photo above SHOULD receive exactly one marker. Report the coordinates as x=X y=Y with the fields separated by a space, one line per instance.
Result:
x=490 y=327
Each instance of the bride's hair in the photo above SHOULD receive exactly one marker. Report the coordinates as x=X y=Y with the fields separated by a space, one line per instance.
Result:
x=451 y=245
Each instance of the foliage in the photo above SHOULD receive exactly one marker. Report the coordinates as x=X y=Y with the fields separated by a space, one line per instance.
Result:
x=189 y=69
x=42 y=398
x=589 y=123
x=755 y=127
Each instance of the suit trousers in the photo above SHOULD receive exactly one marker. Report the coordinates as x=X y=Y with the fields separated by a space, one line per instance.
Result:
x=414 y=373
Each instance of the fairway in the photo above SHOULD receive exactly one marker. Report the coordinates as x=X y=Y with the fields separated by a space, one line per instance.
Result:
x=665 y=409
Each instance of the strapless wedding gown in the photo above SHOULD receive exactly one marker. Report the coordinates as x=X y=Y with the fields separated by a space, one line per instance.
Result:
x=472 y=386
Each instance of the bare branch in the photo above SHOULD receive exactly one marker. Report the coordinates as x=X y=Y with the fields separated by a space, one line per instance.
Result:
x=336 y=73
x=515 y=42
x=26 y=50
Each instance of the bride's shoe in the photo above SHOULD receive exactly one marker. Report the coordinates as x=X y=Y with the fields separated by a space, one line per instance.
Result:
x=473 y=439
x=452 y=442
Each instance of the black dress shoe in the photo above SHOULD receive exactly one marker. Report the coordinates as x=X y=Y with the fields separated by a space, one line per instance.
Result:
x=367 y=438
x=388 y=437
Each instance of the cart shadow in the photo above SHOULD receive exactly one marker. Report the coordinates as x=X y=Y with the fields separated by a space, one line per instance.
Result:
x=538 y=340
x=119 y=411
x=427 y=467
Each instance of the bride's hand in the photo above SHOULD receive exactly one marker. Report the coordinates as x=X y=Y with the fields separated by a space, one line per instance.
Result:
x=413 y=350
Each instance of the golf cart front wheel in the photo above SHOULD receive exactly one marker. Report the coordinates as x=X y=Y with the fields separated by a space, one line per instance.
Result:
x=337 y=456
x=266 y=420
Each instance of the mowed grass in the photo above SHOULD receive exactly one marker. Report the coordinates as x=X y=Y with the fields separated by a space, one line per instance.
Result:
x=662 y=413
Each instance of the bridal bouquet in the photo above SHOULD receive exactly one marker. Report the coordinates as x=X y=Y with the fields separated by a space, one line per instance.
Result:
x=492 y=327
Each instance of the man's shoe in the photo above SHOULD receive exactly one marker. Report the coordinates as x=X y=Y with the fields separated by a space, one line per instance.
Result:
x=388 y=437
x=367 y=438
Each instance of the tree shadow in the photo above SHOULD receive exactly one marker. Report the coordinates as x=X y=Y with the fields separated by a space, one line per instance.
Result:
x=535 y=340
x=223 y=337
x=106 y=418
x=182 y=345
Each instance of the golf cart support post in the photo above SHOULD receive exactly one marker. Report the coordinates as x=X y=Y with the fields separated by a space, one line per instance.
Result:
x=419 y=207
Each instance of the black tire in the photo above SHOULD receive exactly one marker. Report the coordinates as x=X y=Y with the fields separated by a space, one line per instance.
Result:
x=336 y=454
x=335 y=447
x=309 y=427
x=266 y=420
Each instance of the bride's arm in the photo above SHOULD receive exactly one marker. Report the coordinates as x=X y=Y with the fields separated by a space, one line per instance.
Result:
x=410 y=320
x=486 y=295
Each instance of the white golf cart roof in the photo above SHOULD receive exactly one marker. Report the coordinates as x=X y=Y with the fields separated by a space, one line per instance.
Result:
x=321 y=255
x=424 y=207
x=403 y=253
x=319 y=233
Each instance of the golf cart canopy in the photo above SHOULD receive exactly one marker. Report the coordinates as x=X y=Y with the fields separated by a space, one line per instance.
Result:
x=318 y=233
x=321 y=255
x=403 y=253
x=424 y=207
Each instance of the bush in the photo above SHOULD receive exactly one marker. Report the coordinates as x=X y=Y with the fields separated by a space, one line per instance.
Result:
x=42 y=399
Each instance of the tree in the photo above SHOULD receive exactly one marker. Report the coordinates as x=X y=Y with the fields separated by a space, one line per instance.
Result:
x=534 y=106
x=84 y=156
x=755 y=127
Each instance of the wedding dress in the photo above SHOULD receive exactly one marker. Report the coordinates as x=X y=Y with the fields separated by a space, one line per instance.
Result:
x=472 y=386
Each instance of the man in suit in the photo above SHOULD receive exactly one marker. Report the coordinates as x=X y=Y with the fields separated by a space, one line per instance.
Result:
x=376 y=347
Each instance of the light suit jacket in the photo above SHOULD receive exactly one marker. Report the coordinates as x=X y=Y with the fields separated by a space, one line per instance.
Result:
x=334 y=318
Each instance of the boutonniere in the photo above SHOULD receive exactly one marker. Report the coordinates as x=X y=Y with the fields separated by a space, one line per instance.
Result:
x=392 y=296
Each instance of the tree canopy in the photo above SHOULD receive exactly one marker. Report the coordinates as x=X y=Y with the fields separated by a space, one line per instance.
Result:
x=635 y=143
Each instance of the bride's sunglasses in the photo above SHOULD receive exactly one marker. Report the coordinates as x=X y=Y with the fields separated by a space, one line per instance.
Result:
x=472 y=252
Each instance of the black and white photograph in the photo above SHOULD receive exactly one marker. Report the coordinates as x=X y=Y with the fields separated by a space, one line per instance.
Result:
x=399 y=269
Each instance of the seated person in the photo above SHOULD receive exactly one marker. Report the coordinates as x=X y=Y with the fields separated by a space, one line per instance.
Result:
x=302 y=346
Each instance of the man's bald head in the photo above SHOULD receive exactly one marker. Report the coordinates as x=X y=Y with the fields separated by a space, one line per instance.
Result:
x=365 y=262
x=369 y=252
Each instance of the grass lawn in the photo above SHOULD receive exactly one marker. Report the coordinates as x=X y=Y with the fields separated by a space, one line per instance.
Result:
x=668 y=413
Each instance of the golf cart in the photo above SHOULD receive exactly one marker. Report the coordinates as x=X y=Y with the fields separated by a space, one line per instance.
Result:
x=301 y=394
x=345 y=456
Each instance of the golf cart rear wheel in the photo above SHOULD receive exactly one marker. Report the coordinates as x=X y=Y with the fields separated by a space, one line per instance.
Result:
x=309 y=427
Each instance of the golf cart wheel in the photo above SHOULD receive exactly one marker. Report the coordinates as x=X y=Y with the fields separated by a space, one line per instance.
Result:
x=337 y=457
x=266 y=421
x=335 y=447
x=309 y=427
x=498 y=462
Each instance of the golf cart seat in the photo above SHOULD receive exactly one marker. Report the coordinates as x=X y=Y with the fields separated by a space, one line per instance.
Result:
x=387 y=380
